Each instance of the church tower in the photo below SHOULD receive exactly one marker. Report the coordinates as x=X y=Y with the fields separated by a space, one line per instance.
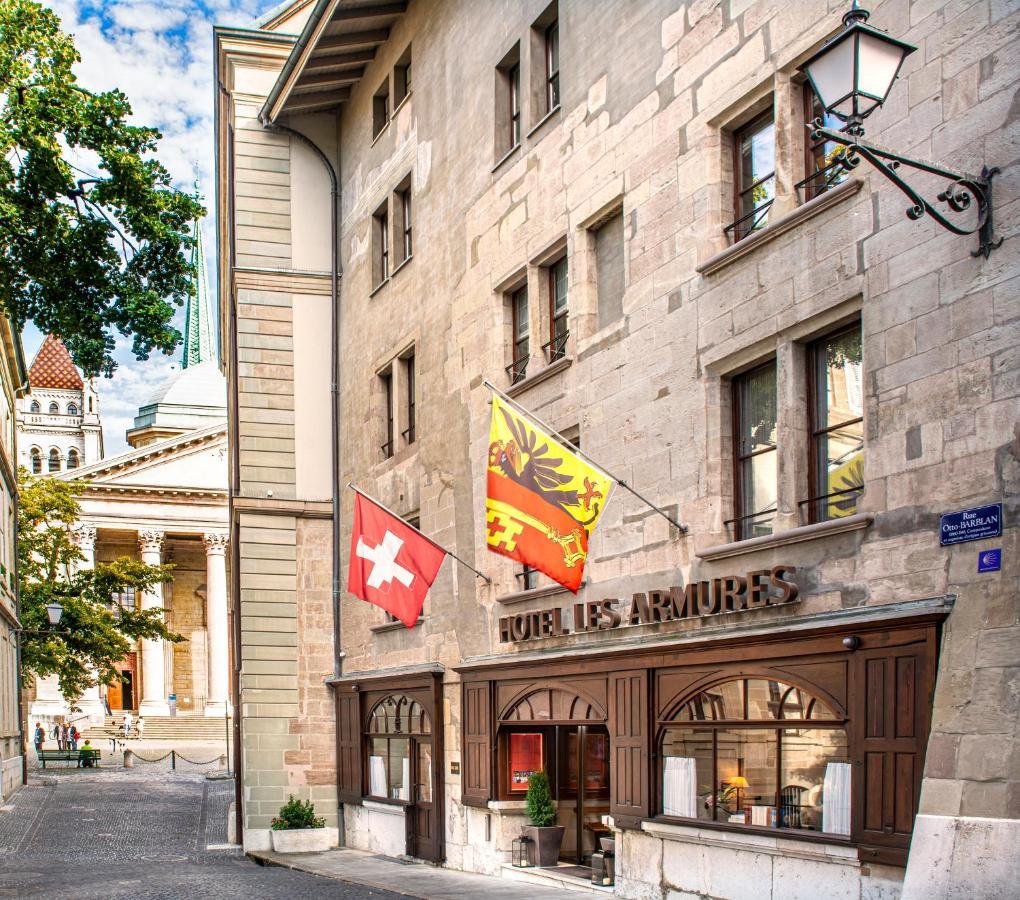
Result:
x=58 y=419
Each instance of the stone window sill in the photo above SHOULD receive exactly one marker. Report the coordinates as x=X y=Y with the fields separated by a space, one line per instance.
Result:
x=547 y=117
x=400 y=267
x=400 y=105
x=533 y=594
x=394 y=626
x=387 y=807
x=379 y=287
x=791 y=220
x=785 y=538
x=768 y=841
x=381 y=132
x=514 y=149
x=564 y=362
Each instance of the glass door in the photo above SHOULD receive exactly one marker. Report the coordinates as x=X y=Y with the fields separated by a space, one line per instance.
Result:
x=583 y=762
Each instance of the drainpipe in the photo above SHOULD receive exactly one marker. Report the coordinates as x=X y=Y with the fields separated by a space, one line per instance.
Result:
x=334 y=389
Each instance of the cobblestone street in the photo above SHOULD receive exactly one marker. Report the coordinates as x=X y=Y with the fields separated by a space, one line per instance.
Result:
x=137 y=835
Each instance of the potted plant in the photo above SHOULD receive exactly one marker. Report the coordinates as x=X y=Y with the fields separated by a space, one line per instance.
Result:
x=546 y=837
x=297 y=829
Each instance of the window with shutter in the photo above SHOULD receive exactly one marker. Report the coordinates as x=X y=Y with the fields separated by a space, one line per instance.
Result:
x=476 y=779
x=349 y=738
x=891 y=720
x=629 y=720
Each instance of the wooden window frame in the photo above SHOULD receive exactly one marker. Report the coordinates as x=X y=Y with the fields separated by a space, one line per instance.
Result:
x=557 y=346
x=381 y=227
x=410 y=433
x=405 y=222
x=741 y=518
x=815 y=432
x=811 y=185
x=388 y=446
x=402 y=78
x=513 y=77
x=520 y=347
x=740 y=229
x=552 y=65
x=381 y=109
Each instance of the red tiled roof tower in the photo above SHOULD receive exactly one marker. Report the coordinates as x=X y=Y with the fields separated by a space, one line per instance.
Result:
x=53 y=368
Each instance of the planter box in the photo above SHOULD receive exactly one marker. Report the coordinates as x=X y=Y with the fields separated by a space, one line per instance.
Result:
x=301 y=840
x=546 y=843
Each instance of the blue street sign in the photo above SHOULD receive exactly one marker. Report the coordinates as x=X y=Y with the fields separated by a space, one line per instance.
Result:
x=990 y=560
x=971 y=524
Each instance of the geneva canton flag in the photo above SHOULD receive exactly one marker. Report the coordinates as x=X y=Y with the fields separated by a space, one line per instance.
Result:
x=391 y=565
x=543 y=499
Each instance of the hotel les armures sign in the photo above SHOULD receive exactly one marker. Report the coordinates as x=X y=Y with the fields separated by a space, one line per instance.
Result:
x=731 y=593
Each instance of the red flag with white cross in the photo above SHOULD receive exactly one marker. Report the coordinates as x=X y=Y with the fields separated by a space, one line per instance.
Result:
x=392 y=564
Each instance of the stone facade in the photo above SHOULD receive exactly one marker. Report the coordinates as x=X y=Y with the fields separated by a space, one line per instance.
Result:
x=649 y=104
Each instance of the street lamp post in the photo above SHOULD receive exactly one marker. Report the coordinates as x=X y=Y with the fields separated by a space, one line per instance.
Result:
x=852 y=76
x=54 y=613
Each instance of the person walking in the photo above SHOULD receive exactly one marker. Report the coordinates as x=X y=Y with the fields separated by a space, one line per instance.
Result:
x=73 y=736
x=65 y=736
x=127 y=725
x=39 y=736
x=140 y=727
x=56 y=735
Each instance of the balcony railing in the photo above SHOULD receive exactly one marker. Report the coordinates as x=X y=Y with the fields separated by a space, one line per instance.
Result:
x=557 y=347
x=518 y=369
x=749 y=526
x=819 y=509
x=819 y=181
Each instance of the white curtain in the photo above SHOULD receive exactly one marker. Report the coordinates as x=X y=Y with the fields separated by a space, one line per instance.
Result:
x=377 y=777
x=679 y=787
x=405 y=786
x=836 y=799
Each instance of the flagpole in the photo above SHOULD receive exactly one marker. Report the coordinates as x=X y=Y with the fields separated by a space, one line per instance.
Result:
x=436 y=544
x=527 y=412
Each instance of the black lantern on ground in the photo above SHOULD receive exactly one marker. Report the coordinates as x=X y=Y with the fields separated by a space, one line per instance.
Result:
x=854 y=72
x=851 y=76
x=603 y=864
x=521 y=852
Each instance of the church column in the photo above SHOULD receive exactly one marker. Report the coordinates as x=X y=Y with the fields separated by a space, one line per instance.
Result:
x=154 y=698
x=89 y=703
x=217 y=654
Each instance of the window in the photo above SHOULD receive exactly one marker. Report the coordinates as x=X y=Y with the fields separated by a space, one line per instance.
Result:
x=405 y=222
x=381 y=109
x=759 y=752
x=837 y=425
x=527 y=578
x=518 y=368
x=54 y=460
x=72 y=459
x=609 y=269
x=755 y=421
x=415 y=522
x=402 y=78
x=54 y=408
x=754 y=174
x=72 y=409
x=508 y=103
x=387 y=385
x=125 y=599
x=552 y=66
x=514 y=84
x=409 y=433
x=525 y=757
x=823 y=172
x=35 y=407
x=381 y=239
x=36 y=456
x=558 y=333
x=391 y=726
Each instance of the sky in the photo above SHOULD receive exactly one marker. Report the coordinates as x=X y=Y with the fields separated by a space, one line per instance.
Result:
x=161 y=56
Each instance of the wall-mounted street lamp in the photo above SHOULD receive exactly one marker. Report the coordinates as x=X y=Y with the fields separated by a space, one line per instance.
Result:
x=54 y=612
x=852 y=76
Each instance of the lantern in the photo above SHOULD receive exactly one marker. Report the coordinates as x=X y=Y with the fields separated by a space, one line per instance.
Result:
x=853 y=73
x=521 y=852
x=54 y=612
x=603 y=868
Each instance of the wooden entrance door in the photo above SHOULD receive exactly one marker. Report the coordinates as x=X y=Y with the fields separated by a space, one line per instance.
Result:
x=422 y=821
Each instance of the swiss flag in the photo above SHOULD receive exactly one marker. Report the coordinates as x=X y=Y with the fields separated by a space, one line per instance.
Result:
x=392 y=565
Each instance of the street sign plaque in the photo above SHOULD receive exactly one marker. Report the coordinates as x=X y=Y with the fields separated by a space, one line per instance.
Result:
x=971 y=524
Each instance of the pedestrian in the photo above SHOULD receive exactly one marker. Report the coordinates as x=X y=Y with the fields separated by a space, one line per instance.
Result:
x=74 y=734
x=56 y=735
x=65 y=736
x=40 y=736
x=127 y=725
x=140 y=727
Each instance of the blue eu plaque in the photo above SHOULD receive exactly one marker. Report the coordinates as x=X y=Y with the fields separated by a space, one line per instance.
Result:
x=971 y=524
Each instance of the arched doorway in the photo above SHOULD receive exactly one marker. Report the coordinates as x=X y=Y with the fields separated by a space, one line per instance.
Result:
x=559 y=729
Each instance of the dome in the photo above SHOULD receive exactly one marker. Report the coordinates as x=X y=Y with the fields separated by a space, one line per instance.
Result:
x=201 y=385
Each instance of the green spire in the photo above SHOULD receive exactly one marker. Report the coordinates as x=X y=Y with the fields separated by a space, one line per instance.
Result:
x=198 y=346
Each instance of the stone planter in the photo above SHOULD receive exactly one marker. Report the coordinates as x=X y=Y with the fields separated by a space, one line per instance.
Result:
x=546 y=842
x=300 y=840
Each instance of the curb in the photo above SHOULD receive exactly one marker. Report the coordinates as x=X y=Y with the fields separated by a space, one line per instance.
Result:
x=263 y=859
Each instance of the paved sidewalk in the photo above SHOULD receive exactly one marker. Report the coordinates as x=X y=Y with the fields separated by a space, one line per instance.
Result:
x=408 y=878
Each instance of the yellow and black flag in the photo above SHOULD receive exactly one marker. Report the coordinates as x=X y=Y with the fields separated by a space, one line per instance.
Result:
x=543 y=500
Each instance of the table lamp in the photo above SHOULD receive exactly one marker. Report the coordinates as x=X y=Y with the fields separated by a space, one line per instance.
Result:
x=740 y=783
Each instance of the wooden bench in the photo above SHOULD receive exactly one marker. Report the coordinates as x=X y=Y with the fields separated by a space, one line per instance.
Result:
x=80 y=757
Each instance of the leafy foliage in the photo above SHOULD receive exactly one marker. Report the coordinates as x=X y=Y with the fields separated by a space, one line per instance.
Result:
x=83 y=255
x=297 y=814
x=538 y=802
x=94 y=633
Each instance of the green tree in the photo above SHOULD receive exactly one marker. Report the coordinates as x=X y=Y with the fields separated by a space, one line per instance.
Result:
x=94 y=632
x=83 y=255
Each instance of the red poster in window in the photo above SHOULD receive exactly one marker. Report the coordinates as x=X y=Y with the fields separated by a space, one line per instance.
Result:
x=525 y=759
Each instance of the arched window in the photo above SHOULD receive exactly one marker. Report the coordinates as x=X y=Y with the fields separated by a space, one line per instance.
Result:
x=72 y=409
x=35 y=407
x=72 y=459
x=54 y=460
x=392 y=724
x=54 y=407
x=760 y=752
x=36 y=455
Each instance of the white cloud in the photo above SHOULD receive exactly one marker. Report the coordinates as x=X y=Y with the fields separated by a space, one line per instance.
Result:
x=161 y=57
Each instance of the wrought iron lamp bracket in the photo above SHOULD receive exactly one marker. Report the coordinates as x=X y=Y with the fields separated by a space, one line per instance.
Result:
x=960 y=194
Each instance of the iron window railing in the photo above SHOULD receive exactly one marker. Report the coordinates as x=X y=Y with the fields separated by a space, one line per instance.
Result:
x=557 y=347
x=845 y=500
x=518 y=370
